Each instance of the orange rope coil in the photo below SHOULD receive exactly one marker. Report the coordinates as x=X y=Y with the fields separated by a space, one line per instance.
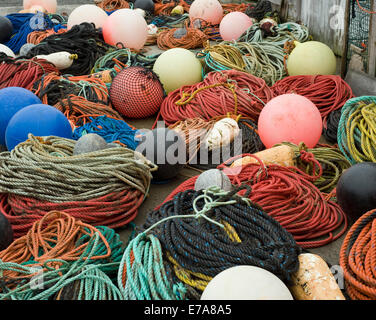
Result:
x=358 y=258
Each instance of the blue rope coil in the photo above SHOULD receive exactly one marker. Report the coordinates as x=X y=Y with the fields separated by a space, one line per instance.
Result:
x=110 y=130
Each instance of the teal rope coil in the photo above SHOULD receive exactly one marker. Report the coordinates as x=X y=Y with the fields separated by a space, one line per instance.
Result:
x=357 y=131
x=93 y=282
x=146 y=277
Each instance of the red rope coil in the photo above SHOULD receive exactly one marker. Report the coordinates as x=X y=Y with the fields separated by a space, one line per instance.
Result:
x=248 y=97
x=24 y=73
x=113 y=210
x=328 y=93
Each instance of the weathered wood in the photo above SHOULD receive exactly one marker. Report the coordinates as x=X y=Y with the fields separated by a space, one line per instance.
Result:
x=325 y=19
x=372 y=44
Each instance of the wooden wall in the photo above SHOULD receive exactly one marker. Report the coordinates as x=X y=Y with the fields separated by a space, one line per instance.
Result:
x=324 y=18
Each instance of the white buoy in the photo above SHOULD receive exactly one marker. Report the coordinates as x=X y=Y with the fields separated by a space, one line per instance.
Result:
x=246 y=283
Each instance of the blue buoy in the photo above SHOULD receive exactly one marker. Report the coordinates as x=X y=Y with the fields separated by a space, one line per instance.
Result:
x=38 y=119
x=12 y=100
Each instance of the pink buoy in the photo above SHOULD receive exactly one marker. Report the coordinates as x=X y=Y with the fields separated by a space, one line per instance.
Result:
x=87 y=13
x=290 y=118
x=233 y=25
x=49 y=5
x=210 y=11
x=127 y=27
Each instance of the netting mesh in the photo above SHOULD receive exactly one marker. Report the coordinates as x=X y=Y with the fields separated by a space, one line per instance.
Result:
x=359 y=27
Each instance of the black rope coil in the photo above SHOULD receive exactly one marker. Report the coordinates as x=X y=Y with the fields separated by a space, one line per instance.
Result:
x=203 y=247
x=262 y=8
x=330 y=132
x=83 y=40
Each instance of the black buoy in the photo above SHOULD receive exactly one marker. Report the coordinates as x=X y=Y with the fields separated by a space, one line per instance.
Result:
x=6 y=29
x=356 y=190
x=6 y=233
x=147 y=5
x=165 y=148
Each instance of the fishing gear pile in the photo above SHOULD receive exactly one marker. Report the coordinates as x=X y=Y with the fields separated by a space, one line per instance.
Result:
x=328 y=92
x=263 y=60
x=356 y=130
x=112 y=5
x=52 y=88
x=357 y=258
x=112 y=130
x=23 y=25
x=80 y=111
x=219 y=93
x=83 y=40
x=188 y=37
x=205 y=151
x=279 y=34
x=205 y=232
x=23 y=72
x=75 y=261
x=105 y=187
x=331 y=159
x=288 y=195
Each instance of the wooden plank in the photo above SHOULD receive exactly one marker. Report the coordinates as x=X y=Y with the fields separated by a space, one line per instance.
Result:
x=325 y=19
x=372 y=44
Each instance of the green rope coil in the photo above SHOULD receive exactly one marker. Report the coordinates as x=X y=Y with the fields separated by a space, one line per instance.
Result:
x=288 y=31
x=332 y=161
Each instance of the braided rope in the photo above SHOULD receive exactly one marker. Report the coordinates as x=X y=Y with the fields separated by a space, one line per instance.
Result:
x=206 y=232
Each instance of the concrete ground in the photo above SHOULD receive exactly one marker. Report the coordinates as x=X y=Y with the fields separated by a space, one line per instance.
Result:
x=159 y=192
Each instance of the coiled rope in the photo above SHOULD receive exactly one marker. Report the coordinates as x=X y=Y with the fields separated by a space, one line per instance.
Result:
x=331 y=126
x=280 y=34
x=289 y=196
x=101 y=188
x=23 y=72
x=112 y=5
x=52 y=88
x=23 y=25
x=36 y=37
x=357 y=258
x=260 y=10
x=143 y=273
x=263 y=60
x=220 y=93
x=197 y=130
x=357 y=130
x=80 y=111
x=327 y=92
x=66 y=251
x=83 y=40
x=332 y=161
x=111 y=130
x=192 y=37
x=205 y=232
